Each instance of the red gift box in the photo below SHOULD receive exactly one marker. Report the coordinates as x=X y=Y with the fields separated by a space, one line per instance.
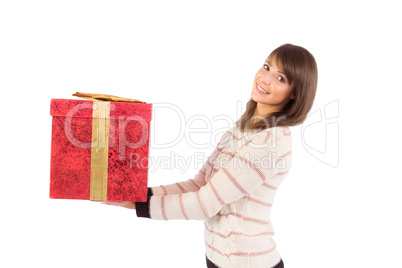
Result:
x=99 y=150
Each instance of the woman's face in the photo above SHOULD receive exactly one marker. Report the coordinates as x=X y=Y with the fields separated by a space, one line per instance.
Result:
x=271 y=89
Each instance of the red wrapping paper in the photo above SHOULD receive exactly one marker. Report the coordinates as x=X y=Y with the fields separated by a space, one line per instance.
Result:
x=128 y=150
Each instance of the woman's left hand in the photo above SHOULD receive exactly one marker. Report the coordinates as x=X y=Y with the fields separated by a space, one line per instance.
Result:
x=125 y=204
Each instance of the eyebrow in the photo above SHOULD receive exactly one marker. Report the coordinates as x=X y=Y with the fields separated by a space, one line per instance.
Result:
x=278 y=70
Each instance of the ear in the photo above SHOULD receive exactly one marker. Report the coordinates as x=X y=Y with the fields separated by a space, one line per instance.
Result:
x=292 y=96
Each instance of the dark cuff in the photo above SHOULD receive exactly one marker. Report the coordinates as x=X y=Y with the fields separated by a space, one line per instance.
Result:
x=150 y=192
x=142 y=208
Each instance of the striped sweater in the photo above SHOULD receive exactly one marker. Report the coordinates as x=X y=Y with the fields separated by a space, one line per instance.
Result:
x=233 y=194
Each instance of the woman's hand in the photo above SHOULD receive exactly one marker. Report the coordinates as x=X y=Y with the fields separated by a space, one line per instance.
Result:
x=125 y=204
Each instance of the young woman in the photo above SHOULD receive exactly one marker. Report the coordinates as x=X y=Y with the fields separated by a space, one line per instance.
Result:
x=234 y=191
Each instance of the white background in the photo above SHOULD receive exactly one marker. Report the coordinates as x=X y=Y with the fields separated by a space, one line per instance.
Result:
x=338 y=207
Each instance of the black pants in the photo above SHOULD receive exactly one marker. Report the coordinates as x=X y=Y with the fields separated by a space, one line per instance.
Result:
x=212 y=265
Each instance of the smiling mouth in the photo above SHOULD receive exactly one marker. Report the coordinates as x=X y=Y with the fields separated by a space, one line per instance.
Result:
x=261 y=90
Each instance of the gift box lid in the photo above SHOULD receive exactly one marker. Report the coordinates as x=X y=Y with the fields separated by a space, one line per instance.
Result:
x=83 y=108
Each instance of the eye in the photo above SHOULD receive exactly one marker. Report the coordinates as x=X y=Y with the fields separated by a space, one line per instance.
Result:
x=282 y=79
x=266 y=67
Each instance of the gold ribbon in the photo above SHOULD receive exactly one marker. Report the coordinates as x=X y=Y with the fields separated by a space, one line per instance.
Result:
x=99 y=150
x=104 y=97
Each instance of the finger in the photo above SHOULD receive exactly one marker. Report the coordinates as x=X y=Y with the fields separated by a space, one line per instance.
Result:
x=113 y=203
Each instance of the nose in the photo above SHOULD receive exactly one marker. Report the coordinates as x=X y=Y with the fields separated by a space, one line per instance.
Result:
x=266 y=79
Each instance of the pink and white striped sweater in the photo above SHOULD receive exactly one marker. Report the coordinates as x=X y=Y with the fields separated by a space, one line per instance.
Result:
x=233 y=194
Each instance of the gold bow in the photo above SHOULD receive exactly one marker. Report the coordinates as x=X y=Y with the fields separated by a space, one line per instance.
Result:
x=104 y=97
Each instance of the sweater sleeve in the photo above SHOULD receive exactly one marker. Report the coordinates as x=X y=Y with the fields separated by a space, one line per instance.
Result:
x=142 y=208
x=254 y=164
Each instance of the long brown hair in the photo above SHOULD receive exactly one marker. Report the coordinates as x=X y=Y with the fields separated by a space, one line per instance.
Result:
x=300 y=68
